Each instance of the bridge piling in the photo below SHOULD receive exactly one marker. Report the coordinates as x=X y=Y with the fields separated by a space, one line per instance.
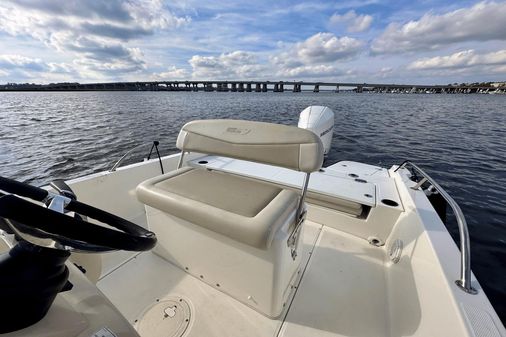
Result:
x=278 y=87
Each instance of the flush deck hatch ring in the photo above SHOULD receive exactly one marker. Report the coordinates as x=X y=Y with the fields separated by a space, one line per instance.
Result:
x=169 y=317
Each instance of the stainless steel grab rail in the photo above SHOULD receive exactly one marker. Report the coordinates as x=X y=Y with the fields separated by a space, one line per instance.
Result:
x=464 y=282
x=154 y=145
x=115 y=166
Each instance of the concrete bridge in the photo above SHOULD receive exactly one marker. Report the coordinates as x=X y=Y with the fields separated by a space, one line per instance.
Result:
x=255 y=86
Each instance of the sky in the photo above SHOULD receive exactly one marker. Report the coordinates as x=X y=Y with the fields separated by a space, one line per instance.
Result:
x=404 y=42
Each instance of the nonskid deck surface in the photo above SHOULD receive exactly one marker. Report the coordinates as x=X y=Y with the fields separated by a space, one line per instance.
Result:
x=342 y=292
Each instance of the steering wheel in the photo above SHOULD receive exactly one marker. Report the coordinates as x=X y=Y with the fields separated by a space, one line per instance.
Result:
x=28 y=219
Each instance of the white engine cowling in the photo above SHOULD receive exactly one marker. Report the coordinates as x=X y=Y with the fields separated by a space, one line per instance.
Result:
x=320 y=120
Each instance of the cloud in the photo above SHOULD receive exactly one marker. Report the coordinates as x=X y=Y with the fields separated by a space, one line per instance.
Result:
x=384 y=72
x=326 y=47
x=484 y=21
x=125 y=18
x=234 y=65
x=113 y=40
x=28 y=68
x=319 y=48
x=96 y=33
x=317 y=56
x=114 y=31
x=356 y=23
x=315 y=71
x=21 y=62
x=463 y=59
x=100 y=54
x=173 y=73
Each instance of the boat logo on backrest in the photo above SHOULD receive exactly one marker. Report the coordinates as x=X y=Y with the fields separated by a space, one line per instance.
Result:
x=238 y=131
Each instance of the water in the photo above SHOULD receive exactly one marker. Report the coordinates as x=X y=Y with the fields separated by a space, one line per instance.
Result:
x=460 y=140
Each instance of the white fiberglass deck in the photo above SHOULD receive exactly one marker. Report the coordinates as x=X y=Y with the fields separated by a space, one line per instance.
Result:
x=348 y=287
x=342 y=278
x=328 y=181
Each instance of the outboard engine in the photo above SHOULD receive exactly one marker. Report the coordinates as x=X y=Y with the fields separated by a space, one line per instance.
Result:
x=320 y=120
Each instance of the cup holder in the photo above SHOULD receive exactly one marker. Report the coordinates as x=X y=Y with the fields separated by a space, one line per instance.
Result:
x=389 y=202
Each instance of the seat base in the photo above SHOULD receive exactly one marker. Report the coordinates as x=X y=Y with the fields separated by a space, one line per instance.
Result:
x=244 y=209
x=260 y=278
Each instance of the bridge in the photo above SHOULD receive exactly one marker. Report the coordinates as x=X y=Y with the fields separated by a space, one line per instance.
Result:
x=256 y=86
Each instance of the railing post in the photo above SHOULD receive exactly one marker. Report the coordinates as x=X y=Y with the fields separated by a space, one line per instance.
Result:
x=293 y=239
x=464 y=282
x=180 y=161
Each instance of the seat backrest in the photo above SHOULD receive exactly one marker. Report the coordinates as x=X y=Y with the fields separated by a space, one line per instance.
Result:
x=274 y=144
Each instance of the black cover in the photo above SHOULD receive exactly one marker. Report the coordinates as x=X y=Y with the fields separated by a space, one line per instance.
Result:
x=31 y=277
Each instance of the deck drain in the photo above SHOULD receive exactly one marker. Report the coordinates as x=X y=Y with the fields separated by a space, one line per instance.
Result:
x=170 y=317
x=390 y=202
x=375 y=241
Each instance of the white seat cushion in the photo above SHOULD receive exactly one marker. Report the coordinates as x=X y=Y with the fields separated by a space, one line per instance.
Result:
x=244 y=209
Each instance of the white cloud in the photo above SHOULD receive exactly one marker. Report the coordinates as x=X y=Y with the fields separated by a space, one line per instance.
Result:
x=19 y=61
x=173 y=73
x=320 y=48
x=234 y=65
x=28 y=68
x=464 y=59
x=356 y=23
x=151 y=14
x=121 y=20
x=95 y=33
x=482 y=22
x=316 y=56
x=115 y=40
x=315 y=71
x=384 y=72
x=500 y=69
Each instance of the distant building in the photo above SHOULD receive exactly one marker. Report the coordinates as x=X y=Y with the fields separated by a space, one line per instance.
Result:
x=498 y=84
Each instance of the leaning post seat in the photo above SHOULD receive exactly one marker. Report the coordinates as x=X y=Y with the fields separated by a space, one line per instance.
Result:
x=238 y=234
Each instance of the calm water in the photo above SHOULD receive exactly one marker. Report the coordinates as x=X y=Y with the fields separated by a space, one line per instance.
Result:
x=459 y=139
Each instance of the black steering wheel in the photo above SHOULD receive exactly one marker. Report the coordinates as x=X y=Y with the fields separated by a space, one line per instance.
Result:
x=70 y=232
